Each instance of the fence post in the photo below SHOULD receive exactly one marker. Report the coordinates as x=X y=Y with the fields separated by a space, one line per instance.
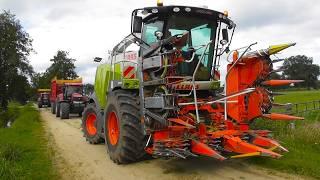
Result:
x=289 y=110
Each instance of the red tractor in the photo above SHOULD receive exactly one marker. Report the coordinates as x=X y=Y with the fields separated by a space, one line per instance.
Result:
x=67 y=97
x=43 y=98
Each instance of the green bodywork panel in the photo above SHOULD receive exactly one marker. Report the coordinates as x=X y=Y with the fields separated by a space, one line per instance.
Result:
x=101 y=83
x=215 y=85
x=104 y=75
x=130 y=83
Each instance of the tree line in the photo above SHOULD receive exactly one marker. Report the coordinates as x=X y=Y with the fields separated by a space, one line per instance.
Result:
x=19 y=81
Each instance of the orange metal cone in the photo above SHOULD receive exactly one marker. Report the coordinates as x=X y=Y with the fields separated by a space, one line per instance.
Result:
x=235 y=144
x=267 y=143
x=280 y=82
x=181 y=122
x=202 y=149
x=276 y=116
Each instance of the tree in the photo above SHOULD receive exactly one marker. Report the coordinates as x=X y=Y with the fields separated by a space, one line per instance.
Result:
x=302 y=67
x=88 y=89
x=62 y=67
x=40 y=80
x=15 y=46
x=20 y=89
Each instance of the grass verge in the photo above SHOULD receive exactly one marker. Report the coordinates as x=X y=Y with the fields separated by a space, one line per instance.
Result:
x=9 y=115
x=24 y=152
x=303 y=142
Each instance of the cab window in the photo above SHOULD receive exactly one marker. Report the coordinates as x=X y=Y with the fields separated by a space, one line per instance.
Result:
x=149 y=30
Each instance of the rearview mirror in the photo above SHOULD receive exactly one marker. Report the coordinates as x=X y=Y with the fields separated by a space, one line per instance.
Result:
x=225 y=37
x=97 y=59
x=137 y=24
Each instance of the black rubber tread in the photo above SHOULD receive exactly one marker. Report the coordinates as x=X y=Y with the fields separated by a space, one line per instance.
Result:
x=64 y=110
x=96 y=139
x=39 y=105
x=130 y=146
x=58 y=104
x=53 y=108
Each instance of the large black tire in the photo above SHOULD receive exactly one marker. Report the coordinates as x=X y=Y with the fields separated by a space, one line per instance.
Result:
x=129 y=146
x=64 y=110
x=39 y=105
x=91 y=117
x=58 y=109
x=53 y=107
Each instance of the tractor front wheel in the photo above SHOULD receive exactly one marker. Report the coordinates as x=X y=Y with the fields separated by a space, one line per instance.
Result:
x=53 y=107
x=90 y=119
x=64 y=110
x=58 y=109
x=123 y=130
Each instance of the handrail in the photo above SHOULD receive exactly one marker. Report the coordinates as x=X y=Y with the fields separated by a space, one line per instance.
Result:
x=193 y=81
x=245 y=91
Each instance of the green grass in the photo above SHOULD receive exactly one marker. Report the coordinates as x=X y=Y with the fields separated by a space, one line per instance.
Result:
x=303 y=142
x=10 y=114
x=24 y=152
x=298 y=96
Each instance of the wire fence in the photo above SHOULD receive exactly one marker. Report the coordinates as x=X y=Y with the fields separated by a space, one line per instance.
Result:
x=297 y=108
x=301 y=109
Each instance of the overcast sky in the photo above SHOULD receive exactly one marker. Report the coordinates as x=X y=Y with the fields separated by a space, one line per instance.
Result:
x=89 y=28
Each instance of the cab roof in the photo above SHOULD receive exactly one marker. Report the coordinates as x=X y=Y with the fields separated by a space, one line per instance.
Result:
x=185 y=10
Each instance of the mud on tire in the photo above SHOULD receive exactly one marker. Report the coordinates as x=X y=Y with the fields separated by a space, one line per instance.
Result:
x=129 y=147
x=90 y=119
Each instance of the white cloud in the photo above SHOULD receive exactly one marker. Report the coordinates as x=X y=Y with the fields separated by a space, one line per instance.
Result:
x=89 y=28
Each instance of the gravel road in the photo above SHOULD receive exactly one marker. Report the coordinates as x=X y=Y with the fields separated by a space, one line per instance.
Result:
x=77 y=159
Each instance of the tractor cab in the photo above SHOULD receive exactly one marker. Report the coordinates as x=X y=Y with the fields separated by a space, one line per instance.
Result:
x=73 y=91
x=43 y=98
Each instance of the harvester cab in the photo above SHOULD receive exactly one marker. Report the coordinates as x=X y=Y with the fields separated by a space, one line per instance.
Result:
x=165 y=99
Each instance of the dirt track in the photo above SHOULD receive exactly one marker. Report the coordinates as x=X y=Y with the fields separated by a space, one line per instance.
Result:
x=77 y=159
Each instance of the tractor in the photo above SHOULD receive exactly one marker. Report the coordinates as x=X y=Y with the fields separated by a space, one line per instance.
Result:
x=67 y=97
x=43 y=98
x=159 y=93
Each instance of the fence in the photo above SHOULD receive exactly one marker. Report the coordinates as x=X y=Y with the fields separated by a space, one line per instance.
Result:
x=298 y=109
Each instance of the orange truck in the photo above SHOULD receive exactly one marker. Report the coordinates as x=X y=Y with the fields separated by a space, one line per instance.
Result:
x=67 y=97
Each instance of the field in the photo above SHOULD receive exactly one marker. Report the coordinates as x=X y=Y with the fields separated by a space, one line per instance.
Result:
x=23 y=147
x=303 y=142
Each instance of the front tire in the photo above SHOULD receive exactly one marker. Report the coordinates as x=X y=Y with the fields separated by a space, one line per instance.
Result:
x=123 y=130
x=53 y=108
x=91 y=117
x=65 y=110
x=58 y=109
